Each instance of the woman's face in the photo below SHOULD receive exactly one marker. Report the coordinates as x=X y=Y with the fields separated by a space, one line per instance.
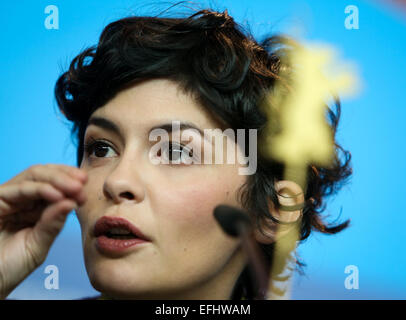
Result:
x=188 y=255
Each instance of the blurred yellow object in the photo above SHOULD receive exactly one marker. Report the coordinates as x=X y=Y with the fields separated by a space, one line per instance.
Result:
x=305 y=136
x=298 y=133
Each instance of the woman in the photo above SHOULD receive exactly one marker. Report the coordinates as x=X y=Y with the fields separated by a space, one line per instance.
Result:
x=148 y=230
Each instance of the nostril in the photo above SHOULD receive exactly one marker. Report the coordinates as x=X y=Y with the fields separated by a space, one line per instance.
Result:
x=127 y=195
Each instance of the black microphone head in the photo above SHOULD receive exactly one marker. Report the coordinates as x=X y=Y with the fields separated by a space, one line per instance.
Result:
x=232 y=220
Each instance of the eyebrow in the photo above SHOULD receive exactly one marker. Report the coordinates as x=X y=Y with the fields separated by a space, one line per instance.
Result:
x=182 y=126
x=111 y=126
x=105 y=124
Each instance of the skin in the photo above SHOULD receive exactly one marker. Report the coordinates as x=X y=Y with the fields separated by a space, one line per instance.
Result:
x=189 y=256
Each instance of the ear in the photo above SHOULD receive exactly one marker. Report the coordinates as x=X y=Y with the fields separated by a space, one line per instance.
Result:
x=291 y=197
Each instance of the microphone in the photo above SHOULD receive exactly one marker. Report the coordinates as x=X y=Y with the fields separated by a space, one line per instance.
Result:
x=236 y=223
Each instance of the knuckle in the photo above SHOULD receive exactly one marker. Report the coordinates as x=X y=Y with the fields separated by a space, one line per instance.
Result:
x=34 y=171
x=60 y=167
x=58 y=179
x=29 y=187
x=23 y=188
x=43 y=187
x=27 y=184
x=65 y=178
x=23 y=185
x=34 y=168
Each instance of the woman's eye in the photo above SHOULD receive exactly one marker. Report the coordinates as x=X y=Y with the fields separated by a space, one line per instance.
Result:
x=177 y=154
x=98 y=148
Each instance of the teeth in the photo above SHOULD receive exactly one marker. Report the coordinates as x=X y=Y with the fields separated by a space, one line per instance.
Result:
x=119 y=231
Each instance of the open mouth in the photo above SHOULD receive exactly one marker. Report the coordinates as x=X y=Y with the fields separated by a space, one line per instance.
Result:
x=114 y=235
x=117 y=228
x=119 y=233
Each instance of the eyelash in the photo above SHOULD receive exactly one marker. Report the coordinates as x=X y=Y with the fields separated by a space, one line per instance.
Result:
x=90 y=146
x=182 y=148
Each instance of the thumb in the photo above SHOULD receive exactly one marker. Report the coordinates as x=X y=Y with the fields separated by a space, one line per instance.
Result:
x=48 y=227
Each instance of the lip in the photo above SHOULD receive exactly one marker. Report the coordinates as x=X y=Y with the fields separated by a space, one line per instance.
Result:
x=108 y=245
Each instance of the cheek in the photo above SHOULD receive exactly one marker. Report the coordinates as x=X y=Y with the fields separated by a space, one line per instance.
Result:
x=184 y=213
x=194 y=200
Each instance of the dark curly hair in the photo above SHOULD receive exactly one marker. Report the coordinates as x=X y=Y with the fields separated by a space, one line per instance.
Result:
x=210 y=56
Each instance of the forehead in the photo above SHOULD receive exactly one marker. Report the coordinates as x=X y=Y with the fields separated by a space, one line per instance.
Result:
x=154 y=102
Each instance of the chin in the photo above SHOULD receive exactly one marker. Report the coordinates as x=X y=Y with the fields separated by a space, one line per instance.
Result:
x=118 y=290
x=114 y=287
x=113 y=280
x=114 y=283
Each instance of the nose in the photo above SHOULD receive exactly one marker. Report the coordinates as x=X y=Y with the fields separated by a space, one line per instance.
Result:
x=124 y=183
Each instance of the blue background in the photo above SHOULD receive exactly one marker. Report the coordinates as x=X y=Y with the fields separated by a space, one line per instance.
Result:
x=372 y=128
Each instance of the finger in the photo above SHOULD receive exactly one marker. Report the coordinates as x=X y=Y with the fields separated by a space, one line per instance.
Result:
x=57 y=177
x=70 y=170
x=14 y=196
x=74 y=172
x=48 y=227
